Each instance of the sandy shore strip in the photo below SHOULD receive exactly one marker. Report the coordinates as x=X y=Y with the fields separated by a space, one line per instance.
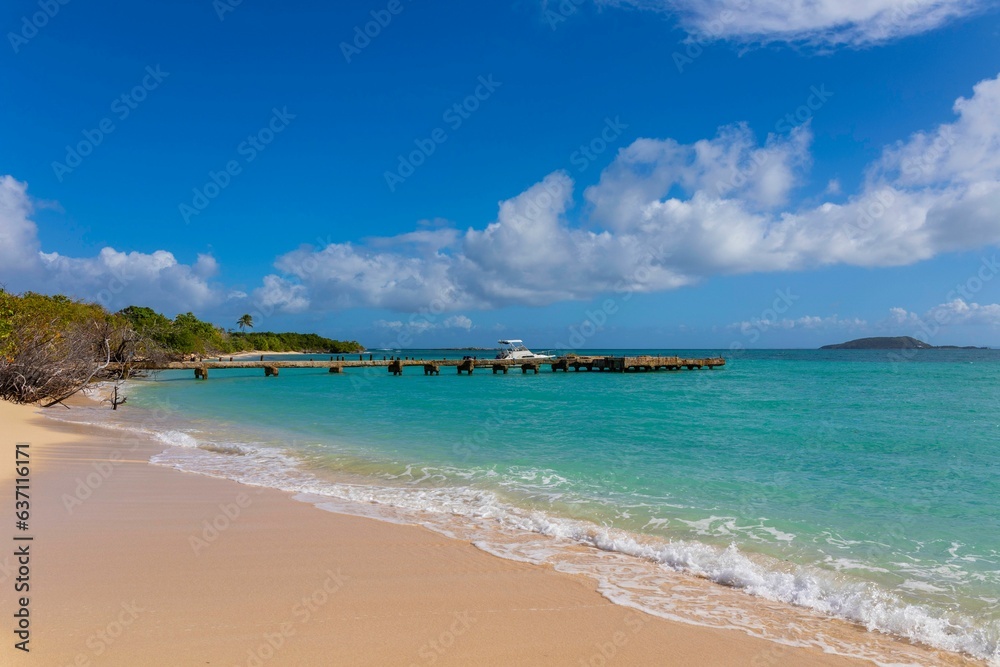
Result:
x=135 y=564
x=258 y=353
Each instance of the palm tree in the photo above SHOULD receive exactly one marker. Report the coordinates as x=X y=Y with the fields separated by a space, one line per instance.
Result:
x=244 y=322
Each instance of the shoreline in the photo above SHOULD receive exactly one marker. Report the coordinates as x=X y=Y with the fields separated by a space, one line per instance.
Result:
x=255 y=353
x=192 y=549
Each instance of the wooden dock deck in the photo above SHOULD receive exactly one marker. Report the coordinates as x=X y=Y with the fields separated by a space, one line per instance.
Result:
x=396 y=366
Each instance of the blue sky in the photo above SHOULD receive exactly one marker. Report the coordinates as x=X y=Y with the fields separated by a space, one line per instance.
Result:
x=627 y=173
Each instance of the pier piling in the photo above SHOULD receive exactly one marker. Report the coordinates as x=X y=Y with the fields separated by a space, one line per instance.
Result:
x=637 y=364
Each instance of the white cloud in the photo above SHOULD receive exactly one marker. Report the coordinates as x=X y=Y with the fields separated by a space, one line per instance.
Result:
x=18 y=234
x=665 y=214
x=117 y=279
x=529 y=255
x=342 y=275
x=662 y=215
x=898 y=316
x=414 y=327
x=458 y=322
x=898 y=217
x=730 y=165
x=963 y=152
x=819 y=22
x=811 y=322
x=956 y=312
x=422 y=324
x=113 y=278
x=279 y=294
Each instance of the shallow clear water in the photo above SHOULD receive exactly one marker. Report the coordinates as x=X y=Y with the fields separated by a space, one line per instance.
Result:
x=852 y=482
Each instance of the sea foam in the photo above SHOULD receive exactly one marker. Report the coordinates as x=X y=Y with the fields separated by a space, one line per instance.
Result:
x=638 y=566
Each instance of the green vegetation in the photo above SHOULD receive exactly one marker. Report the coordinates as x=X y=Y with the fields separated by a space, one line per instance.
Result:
x=893 y=343
x=186 y=334
x=51 y=346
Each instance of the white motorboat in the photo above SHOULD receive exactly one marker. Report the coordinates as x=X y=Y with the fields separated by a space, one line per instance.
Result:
x=515 y=349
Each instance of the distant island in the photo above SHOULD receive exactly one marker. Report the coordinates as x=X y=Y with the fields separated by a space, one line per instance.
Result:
x=894 y=343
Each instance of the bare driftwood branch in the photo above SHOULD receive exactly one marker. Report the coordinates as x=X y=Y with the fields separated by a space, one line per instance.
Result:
x=80 y=385
x=51 y=364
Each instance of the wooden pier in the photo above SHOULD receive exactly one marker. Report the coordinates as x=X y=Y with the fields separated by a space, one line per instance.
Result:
x=396 y=366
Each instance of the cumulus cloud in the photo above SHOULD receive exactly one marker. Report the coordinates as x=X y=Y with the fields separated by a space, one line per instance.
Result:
x=730 y=165
x=813 y=322
x=458 y=322
x=397 y=326
x=113 y=278
x=963 y=152
x=933 y=193
x=664 y=215
x=956 y=312
x=279 y=294
x=819 y=22
x=529 y=255
x=18 y=234
x=419 y=325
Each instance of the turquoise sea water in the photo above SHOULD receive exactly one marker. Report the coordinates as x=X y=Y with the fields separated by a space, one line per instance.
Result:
x=848 y=482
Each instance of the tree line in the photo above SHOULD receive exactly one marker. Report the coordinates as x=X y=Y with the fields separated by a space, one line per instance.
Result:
x=51 y=346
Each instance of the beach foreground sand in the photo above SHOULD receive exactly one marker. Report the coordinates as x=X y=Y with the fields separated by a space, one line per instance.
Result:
x=135 y=564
